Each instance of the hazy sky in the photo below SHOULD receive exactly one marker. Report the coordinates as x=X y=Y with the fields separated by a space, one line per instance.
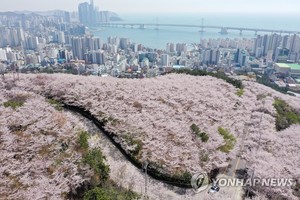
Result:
x=161 y=6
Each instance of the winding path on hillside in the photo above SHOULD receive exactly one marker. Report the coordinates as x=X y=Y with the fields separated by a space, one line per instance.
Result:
x=127 y=175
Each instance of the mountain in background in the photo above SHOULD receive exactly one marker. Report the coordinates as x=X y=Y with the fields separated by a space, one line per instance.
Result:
x=112 y=16
x=106 y=16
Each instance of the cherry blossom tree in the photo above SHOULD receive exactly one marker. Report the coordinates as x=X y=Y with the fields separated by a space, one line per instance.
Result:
x=156 y=115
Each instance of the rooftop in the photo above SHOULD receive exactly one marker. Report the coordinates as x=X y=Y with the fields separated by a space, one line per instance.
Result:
x=288 y=65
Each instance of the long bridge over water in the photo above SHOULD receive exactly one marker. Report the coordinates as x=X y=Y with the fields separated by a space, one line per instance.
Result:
x=223 y=29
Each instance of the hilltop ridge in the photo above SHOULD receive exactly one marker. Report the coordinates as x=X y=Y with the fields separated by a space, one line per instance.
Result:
x=184 y=124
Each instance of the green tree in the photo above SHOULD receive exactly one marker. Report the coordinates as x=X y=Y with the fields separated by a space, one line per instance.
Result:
x=83 y=140
x=97 y=194
x=228 y=138
x=56 y=104
x=204 y=137
x=240 y=92
x=13 y=104
x=196 y=130
x=95 y=159
x=286 y=115
x=219 y=75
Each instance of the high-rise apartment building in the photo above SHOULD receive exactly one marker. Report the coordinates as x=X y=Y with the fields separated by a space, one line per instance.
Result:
x=77 y=48
x=165 y=59
x=87 y=13
x=84 y=13
x=124 y=43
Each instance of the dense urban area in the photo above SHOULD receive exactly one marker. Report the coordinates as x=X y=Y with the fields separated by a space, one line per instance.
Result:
x=60 y=41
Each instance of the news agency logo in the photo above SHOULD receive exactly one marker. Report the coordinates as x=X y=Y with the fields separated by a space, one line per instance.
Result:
x=261 y=182
x=200 y=182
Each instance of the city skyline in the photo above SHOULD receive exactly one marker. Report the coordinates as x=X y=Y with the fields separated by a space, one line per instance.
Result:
x=147 y=6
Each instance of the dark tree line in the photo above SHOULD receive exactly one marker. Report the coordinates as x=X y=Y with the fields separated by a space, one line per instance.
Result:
x=219 y=75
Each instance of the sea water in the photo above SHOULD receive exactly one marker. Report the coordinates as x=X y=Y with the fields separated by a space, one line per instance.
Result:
x=153 y=38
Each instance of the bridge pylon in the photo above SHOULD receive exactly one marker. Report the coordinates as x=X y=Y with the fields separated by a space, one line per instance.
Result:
x=202 y=26
x=142 y=26
x=157 y=24
x=224 y=31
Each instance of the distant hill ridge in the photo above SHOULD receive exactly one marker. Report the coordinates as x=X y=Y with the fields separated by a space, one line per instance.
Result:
x=112 y=15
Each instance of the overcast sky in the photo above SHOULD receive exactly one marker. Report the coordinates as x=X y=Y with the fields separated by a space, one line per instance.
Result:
x=161 y=6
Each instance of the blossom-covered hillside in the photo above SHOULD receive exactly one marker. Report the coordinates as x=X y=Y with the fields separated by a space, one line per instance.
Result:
x=38 y=148
x=185 y=123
